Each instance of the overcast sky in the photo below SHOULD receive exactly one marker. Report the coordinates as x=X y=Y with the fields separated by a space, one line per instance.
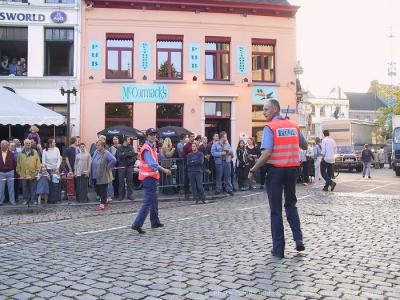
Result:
x=346 y=43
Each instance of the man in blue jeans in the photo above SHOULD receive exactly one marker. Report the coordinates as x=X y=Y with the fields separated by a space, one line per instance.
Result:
x=222 y=154
x=149 y=174
x=280 y=145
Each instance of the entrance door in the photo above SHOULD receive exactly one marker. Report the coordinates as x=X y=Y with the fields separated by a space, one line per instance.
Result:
x=216 y=125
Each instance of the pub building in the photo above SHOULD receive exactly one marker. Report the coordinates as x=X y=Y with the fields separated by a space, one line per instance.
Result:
x=204 y=65
x=40 y=49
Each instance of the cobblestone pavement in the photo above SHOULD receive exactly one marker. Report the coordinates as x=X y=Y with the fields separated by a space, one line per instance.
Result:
x=220 y=250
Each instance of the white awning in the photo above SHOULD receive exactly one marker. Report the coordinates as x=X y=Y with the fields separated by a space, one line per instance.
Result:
x=16 y=110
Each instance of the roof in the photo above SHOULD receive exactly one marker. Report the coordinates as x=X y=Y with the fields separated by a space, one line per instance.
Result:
x=364 y=101
x=276 y=8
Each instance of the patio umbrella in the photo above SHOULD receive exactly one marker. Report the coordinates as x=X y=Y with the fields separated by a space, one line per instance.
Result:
x=121 y=131
x=172 y=131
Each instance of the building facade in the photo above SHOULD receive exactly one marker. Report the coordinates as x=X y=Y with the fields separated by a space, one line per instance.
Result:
x=206 y=65
x=39 y=48
x=322 y=109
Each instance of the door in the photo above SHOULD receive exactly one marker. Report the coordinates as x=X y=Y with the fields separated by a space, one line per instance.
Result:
x=216 y=125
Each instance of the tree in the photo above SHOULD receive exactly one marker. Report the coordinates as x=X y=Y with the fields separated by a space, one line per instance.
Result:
x=391 y=96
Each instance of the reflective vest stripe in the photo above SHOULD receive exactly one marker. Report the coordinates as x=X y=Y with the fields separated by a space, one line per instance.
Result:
x=283 y=161
x=288 y=146
x=148 y=173
x=285 y=153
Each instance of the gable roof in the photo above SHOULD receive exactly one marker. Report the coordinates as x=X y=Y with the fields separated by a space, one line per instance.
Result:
x=364 y=101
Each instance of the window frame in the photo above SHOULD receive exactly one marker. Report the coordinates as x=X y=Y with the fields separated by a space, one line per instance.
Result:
x=46 y=72
x=169 y=38
x=174 y=121
x=264 y=42
x=113 y=119
x=217 y=53
x=121 y=36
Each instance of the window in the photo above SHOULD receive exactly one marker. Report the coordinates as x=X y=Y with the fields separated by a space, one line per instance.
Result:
x=257 y=122
x=217 y=109
x=218 y=58
x=169 y=56
x=119 y=55
x=263 y=60
x=169 y=115
x=61 y=1
x=119 y=114
x=59 y=52
x=13 y=51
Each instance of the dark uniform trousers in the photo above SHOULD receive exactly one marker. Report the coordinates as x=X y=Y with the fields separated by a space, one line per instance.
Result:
x=278 y=181
x=150 y=203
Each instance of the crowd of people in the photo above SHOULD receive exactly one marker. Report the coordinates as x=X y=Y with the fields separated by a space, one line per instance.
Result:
x=13 y=67
x=41 y=173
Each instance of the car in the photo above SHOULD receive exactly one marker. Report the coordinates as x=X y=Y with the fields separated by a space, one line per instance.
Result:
x=346 y=158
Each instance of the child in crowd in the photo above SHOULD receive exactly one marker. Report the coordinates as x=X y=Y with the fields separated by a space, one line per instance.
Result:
x=42 y=189
x=34 y=135
x=55 y=186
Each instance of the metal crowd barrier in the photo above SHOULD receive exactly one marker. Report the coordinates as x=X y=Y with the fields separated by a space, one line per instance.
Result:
x=174 y=182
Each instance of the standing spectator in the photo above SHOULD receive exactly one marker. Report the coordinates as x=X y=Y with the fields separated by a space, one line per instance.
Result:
x=125 y=159
x=381 y=157
x=367 y=157
x=42 y=185
x=115 y=184
x=34 y=135
x=7 y=166
x=227 y=155
x=149 y=173
x=102 y=163
x=18 y=146
x=180 y=145
x=70 y=154
x=4 y=66
x=27 y=165
x=13 y=67
x=15 y=152
x=195 y=161
x=216 y=152
x=186 y=150
x=22 y=67
x=167 y=150
x=51 y=156
x=82 y=166
x=55 y=187
x=304 y=166
x=242 y=165
x=317 y=156
x=328 y=159
x=253 y=153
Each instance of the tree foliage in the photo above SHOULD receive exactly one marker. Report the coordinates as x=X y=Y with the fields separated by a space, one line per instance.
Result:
x=390 y=95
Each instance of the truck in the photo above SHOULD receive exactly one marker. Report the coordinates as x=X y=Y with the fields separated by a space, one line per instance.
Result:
x=396 y=144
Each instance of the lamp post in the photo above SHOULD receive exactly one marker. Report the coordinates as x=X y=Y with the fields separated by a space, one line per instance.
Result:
x=68 y=88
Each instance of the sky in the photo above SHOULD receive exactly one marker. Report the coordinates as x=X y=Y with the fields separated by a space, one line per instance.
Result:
x=346 y=43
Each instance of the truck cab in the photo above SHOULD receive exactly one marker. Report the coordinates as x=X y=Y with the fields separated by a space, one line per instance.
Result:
x=396 y=151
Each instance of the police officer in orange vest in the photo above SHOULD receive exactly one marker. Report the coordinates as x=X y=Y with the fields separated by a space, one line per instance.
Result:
x=280 y=144
x=149 y=173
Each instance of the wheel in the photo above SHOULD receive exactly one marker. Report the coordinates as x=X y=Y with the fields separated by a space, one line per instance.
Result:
x=397 y=171
x=335 y=171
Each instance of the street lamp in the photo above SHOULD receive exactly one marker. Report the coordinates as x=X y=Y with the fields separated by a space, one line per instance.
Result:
x=69 y=87
x=298 y=70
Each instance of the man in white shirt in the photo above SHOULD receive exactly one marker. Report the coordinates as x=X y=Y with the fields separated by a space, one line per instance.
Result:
x=328 y=159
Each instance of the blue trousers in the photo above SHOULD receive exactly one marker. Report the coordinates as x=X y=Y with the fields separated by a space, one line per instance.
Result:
x=196 y=181
x=29 y=190
x=326 y=172
x=7 y=178
x=150 y=203
x=281 y=180
x=218 y=177
x=227 y=169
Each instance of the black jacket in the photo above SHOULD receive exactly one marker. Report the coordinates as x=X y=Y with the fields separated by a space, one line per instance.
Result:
x=125 y=156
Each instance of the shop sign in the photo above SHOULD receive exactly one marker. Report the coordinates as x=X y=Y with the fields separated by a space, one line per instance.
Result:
x=262 y=93
x=241 y=59
x=21 y=17
x=194 y=57
x=144 y=92
x=94 y=55
x=145 y=56
x=58 y=17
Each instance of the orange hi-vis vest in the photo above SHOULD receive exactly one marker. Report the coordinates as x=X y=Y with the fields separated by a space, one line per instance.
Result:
x=286 y=152
x=144 y=169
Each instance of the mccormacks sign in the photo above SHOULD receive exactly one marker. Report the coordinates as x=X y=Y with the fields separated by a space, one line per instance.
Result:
x=144 y=92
